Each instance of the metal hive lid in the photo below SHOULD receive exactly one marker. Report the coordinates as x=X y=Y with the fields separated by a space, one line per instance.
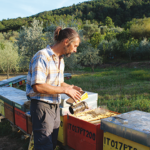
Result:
x=14 y=95
x=91 y=97
x=7 y=81
x=137 y=129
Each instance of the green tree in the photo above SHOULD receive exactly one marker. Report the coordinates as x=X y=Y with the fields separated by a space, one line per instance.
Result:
x=109 y=22
x=109 y=49
x=95 y=39
x=71 y=63
x=143 y=50
x=89 y=30
x=89 y=57
x=1 y=37
x=8 y=57
x=131 y=46
x=2 y=27
x=31 y=39
x=110 y=35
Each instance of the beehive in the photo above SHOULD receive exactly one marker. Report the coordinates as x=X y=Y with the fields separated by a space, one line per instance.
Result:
x=8 y=105
x=21 y=119
x=83 y=132
x=91 y=97
x=9 y=112
x=29 y=123
x=2 y=112
x=62 y=130
x=9 y=82
x=134 y=133
x=15 y=100
x=95 y=115
x=62 y=135
x=67 y=76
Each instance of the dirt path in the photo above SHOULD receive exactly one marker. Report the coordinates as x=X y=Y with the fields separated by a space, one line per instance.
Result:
x=4 y=76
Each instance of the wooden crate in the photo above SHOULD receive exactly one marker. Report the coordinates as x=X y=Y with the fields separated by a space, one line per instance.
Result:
x=84 y=135
x=29 y=125
x=20 y=119
x=9 y=112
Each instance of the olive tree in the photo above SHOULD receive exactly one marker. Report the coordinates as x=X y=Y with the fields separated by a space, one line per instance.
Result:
x=89 y=30
x=131 y=46
x=143 y=50
x=31 y=39
x=8 y=57
x=89 y=56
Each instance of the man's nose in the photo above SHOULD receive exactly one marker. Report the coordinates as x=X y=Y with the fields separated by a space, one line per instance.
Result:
x=75 y=50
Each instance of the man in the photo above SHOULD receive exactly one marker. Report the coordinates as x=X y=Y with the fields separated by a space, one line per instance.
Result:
x=45 y=83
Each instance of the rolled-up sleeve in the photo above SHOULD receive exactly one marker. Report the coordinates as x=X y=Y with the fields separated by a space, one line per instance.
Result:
x=39 y=71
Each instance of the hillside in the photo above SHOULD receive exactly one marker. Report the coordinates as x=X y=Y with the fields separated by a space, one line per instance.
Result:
x=95 y=11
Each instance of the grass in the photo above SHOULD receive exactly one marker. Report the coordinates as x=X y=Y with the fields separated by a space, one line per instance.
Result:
x=121 y=89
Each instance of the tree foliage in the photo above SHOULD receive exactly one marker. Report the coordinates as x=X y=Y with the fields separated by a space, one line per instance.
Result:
x=30 y=40
x=89 y=30
x=89 y=56
x=8 y=57
x=71 y=63
x=95 y=39
x=108 y=22
x=141 y=28
x=108 y=11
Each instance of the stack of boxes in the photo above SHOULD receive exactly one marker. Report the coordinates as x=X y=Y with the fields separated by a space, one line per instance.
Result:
x=64 y=111
x=67 y=76
x=13 y=106
x=13 y=81
x=127 y=131
x=82 y=134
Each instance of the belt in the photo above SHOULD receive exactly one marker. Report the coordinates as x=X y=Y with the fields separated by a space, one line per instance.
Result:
x=35 y=100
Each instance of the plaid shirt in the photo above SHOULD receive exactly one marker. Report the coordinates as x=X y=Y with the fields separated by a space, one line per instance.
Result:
x=43 y=68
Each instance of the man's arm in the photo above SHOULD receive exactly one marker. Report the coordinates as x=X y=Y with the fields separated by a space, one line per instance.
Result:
x=74 y=87
x=64 y=88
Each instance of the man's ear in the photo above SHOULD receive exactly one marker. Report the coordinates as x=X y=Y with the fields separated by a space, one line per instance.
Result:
x=66 y=42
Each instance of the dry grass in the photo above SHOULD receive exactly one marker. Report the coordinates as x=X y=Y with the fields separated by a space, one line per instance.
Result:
x=4 y=76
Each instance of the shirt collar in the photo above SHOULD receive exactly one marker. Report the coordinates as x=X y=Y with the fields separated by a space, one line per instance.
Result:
x=51 y=53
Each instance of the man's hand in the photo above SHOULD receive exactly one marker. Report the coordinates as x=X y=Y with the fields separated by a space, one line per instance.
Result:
x=73 y=92
x=77 y=88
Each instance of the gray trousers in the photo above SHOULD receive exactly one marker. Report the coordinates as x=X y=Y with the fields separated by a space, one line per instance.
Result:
x=45 y=124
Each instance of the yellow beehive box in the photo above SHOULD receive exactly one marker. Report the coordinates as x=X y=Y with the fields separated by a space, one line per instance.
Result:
x=62 y=134
x=2 y=111
x=127 y=131
x=114 y=142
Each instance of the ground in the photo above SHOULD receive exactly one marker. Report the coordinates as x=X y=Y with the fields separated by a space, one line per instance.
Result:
x=9 y=144
x=11 y=140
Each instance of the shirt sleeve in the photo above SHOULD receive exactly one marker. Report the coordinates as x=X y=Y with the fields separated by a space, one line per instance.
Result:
x=39 y=71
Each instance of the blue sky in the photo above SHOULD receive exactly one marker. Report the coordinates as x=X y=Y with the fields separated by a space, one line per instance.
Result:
x=24 y=8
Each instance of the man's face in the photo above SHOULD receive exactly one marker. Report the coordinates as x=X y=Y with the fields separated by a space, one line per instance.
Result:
x=72 y=47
